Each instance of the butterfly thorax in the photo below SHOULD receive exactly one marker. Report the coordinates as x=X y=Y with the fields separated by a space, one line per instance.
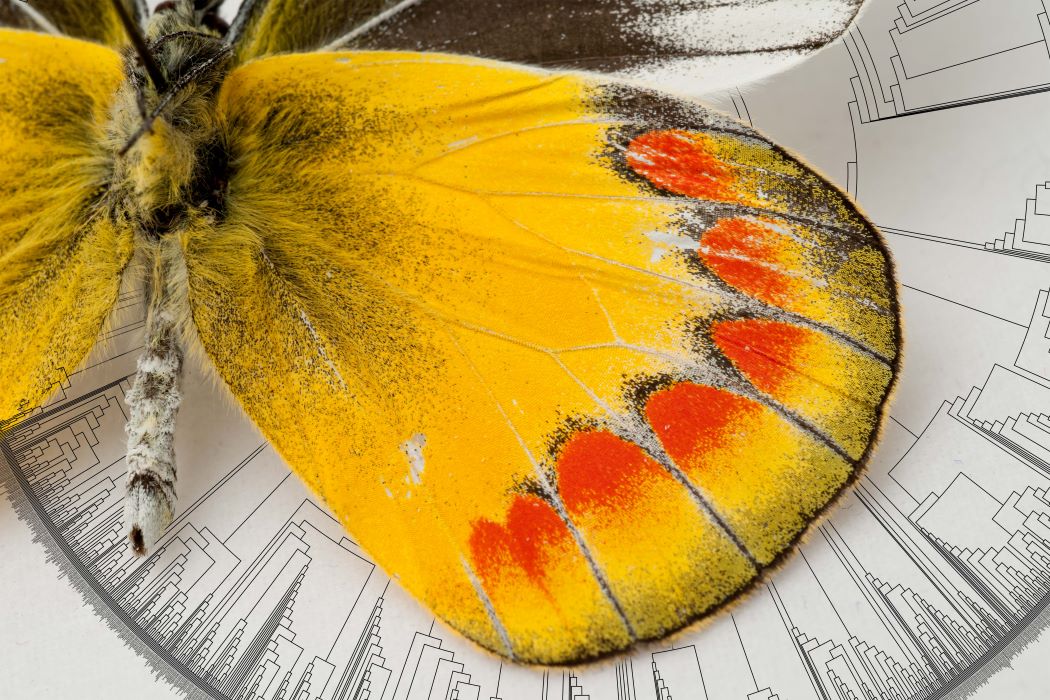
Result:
x=169 y=159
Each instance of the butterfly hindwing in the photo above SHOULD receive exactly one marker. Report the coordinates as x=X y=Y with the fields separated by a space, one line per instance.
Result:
x=61 y=259
x=573 y=361
x=94 y=21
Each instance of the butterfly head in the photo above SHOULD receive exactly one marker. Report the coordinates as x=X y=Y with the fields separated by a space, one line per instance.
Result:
x=163 y=122
x=184 y=38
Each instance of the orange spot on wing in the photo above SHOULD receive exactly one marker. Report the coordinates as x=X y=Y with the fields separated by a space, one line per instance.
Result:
x=683 y=163
x=600 y=470
x=691 y=420
x=533 y=533
x=766 y=478
x=750 y=255
x=763 y=350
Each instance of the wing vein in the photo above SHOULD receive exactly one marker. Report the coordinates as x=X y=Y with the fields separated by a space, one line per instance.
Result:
x=490 y=610
x=554 y=498
x=734 y=209
x=740 y=300
x=468 y=144
x=34 y=15
x=369 y=24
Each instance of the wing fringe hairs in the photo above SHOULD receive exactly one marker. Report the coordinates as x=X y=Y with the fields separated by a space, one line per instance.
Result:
x=656 y=322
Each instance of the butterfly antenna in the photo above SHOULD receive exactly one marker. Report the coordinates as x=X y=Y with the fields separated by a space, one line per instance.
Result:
x=139 y=42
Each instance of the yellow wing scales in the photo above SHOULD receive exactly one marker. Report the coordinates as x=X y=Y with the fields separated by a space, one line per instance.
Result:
x=573 y=361
x=61 y=259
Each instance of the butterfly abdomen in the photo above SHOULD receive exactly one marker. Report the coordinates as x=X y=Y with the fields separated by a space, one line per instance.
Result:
x=168 y=174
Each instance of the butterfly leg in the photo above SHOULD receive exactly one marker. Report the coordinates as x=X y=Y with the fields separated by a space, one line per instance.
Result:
x=153 y=403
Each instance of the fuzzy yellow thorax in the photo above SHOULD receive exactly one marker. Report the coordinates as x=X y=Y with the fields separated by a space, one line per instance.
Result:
x=165 y=140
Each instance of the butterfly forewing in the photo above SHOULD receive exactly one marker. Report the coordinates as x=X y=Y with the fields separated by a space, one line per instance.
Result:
x=706 y=44
x=574 y=361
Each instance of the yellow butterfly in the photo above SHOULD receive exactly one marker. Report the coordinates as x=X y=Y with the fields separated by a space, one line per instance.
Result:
x=574 y=360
